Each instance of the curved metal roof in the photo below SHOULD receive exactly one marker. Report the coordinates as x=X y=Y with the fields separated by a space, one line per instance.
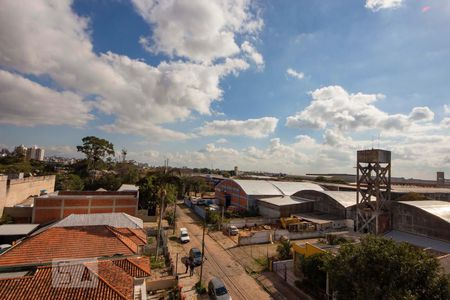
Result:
x=274 y=188
x=440 y=209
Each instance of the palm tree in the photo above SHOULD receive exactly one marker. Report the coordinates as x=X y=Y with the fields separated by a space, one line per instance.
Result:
x=284 y=249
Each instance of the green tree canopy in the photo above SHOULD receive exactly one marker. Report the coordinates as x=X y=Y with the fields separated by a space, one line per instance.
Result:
x=69 y=182
x=96 y=149
x=379 y=268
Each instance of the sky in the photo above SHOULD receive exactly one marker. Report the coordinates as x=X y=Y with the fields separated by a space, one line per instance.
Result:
x=294 y=86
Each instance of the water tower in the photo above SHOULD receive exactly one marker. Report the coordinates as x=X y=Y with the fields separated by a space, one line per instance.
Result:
x=373 y=179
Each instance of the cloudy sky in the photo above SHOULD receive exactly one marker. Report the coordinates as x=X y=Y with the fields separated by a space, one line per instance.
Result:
x=285 y=86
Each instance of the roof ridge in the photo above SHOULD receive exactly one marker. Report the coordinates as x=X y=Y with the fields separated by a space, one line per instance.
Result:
x=121 y=237
x=281 y=191
x=139 y=267
x=106 y=282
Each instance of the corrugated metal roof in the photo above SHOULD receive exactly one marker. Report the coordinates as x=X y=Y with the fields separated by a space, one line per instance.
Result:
x=283 y=200
x=274 y=188
x=420 y=241
x=117 y=220
x=440 y=209
x=128 y=187
x=345 y=198
x=17 y=229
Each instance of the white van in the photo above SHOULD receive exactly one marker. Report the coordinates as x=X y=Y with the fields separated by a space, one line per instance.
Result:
x=184 y=235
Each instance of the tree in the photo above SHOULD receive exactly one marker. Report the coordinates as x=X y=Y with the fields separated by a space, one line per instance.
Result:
x=124 y=154
x=70 y=182
x=284 y=249
x=313 y=268
x=379 y=268
x=96 y=149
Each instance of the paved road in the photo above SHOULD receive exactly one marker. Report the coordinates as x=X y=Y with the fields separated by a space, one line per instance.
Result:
x=219 y=263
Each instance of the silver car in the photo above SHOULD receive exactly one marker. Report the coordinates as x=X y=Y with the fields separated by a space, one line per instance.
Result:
x=217 y=290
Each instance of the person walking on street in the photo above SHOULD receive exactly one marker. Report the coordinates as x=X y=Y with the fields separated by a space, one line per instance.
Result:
x=187 y=263
x=192 y=266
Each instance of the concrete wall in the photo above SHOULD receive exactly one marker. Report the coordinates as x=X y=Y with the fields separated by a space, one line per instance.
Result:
x=248 y=222
x=15 y=191
x=267 y=236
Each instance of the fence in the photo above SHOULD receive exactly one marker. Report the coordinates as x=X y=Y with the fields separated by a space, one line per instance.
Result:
x=285 y=270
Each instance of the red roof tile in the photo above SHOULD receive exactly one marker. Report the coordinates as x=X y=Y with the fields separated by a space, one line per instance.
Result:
x=72 y=243
x=113 y=282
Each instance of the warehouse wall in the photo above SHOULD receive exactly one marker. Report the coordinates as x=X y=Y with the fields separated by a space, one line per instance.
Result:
x=414 y=220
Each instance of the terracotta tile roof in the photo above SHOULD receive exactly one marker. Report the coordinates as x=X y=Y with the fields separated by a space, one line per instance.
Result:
x=72 y=242
x=113 y=282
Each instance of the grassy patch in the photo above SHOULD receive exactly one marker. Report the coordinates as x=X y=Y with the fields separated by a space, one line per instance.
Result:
x=157 y=262
x=173 y=238
x=200 y=288
x=262 y=261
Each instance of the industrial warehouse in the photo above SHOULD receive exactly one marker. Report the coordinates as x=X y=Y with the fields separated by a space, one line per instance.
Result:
x=349 y=207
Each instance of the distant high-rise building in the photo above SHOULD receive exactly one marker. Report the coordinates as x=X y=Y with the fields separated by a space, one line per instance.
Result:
x=236 y=171
x=20 y=150
x=440 y=178
x=35 y=153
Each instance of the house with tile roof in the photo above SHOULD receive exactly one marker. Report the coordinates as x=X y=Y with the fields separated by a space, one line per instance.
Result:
x=121 y=279
x=75 y=242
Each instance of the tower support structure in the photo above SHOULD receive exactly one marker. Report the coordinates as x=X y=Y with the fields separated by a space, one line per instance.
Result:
x=373 y=179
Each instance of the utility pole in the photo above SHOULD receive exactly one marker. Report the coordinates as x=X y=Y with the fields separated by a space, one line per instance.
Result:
x=174 y=216
x=203 y=250
x=161 y=209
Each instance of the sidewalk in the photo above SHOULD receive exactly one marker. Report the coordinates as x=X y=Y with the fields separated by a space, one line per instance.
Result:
x=186 y=283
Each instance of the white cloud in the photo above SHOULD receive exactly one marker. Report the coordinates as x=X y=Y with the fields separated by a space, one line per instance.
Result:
x=445 y=123
x=202 y=31
x=140 y=97
x=334 y=107
x=24 y=102
x=376 y=5
x=295 y=74
x=421 y=114
x=222 y=141
x=254 y=128
x=447 y=109
x=251 y=52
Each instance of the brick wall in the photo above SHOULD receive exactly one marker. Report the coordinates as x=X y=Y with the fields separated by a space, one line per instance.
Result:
x=52 y=208
x=238 y=197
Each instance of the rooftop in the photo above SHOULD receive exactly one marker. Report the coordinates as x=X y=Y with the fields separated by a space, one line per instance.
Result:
x=73 y=243
x=17 y=229
x=128 y=187
x=419 y=241
x=116 y=220
x=283 y=200
x=274 y=188
x=440 y=209
x=114 y=279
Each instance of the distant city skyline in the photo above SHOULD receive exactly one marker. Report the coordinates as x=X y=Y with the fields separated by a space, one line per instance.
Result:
x=294 y=86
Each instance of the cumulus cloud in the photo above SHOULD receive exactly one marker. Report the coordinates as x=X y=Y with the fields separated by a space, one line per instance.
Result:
x=376 y=5
x=447 y=109
x=222 y=141
x=333 y=107
x=199 y=30
x=24 y=102
x=251 y=52
x=141 y=98
x=254 y=128
x=421 y=114
x=295 y=74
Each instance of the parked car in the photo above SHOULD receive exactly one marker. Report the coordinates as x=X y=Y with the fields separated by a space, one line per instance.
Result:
x=184 y=235
x=232 y=230
x=4 y=247
x=195 y=255
x=217 y=290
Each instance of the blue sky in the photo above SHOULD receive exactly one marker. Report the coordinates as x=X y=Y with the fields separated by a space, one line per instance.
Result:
x=290 y=86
